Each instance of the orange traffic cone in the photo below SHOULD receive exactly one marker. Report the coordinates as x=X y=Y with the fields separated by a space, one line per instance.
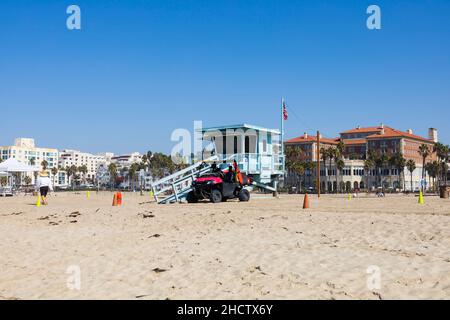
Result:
x=306 y=202
x=119 y=198
x=115 y=200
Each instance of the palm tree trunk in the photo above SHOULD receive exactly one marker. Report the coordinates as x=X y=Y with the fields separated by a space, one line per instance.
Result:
x=411 y=183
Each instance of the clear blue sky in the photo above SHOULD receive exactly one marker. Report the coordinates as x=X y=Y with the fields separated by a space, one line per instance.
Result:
x=139 y=69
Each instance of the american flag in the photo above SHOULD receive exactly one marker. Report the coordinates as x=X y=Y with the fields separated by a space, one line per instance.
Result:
x=285 y=114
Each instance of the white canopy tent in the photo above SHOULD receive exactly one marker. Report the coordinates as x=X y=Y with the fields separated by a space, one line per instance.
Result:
x=10 y=166
x=13 y=165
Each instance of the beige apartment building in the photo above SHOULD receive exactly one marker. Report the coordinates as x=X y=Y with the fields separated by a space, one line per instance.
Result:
x=25 y=151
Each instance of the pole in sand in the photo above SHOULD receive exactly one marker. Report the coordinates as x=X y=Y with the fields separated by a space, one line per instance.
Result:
x=318 y=163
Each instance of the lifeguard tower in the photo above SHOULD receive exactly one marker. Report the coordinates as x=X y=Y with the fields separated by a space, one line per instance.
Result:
x=258 y=152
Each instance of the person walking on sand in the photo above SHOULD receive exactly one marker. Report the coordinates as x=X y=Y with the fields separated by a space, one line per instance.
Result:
x=44 y=185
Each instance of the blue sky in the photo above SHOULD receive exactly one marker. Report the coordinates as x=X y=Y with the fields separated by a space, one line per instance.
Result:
x=140 y=69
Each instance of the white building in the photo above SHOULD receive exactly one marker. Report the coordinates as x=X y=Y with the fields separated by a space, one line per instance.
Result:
x=126 y=160
x=25 y=151
x=68 y=158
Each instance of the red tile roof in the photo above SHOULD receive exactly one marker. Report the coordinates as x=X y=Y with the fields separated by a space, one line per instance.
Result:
x=388 y=133
x=312 y=138
x=394 y=133
x=363 y=130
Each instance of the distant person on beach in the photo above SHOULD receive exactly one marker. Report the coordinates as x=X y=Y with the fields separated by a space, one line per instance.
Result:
x=44 y=185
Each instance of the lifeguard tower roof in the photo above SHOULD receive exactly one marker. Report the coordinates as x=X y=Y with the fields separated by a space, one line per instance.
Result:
x=241 y=126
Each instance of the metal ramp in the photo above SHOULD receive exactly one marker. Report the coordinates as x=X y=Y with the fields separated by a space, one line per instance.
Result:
x=264 y=186
x=175 y=187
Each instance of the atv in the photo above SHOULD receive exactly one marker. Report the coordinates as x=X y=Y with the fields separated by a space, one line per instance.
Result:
x=213 y=186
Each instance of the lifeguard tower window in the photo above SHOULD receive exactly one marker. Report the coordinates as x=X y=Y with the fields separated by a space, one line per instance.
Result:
x=235 y=144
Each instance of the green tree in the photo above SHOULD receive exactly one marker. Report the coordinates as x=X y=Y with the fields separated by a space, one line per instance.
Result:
x=368 y=165
x=293 y=163
x=400 y=163
x=324 y=156
x=83 y=170
x=132 y=174
x=54 y=173
x=443 y=155
x=339 y=162
x=71 y=173
x=411 y=165
x=112 y=169
x=424 y=151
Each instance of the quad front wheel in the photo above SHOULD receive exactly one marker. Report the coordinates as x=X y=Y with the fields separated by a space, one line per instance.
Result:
x=244 y=195
x=216 y=196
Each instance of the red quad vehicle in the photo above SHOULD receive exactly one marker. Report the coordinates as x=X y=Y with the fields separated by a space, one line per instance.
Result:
x=213 y=186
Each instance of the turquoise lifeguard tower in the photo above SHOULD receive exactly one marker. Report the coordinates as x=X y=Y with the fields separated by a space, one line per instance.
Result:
x=258 y=152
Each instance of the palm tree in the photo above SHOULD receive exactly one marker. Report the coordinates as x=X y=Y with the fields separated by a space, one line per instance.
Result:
x=383 y=160
x=340 y=164
x=424 y=152
x=54 y=173
x=372 y=158
x=299 y=170
x=368 y=164
x=293 y=163
x=429 y=168
x=331 y=156
x=132 y=173
x=324 y=157
x=400 y=163
x=71 y=172
x=112 y=169
x=83 y=170
x=411 y=165
x=443 y=154
x=33 y=163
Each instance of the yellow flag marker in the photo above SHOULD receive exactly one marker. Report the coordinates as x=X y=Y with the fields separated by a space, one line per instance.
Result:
x=88 y=194
x=421 y=198
x=38 y=202
x=349 y=196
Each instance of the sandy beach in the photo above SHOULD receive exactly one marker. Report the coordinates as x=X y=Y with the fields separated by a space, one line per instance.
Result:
x=268 y=248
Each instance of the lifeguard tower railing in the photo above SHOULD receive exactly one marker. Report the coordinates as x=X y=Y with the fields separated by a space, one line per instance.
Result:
x=254 y=163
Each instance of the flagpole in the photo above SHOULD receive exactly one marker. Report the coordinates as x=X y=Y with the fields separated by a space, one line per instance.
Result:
x=282 y=130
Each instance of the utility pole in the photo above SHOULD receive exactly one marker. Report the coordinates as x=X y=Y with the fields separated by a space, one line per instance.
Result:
x=318 y=164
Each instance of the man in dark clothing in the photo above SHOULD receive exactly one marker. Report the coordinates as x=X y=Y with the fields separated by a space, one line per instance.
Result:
x=229 y=176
